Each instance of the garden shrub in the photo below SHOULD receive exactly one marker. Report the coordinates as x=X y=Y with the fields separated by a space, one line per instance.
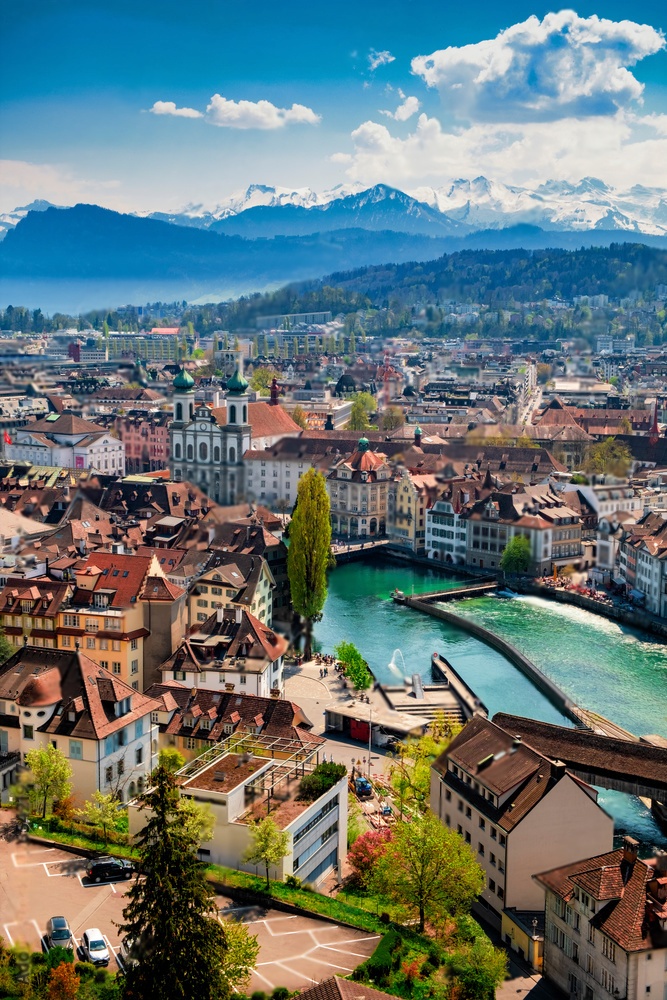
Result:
x=320 y=780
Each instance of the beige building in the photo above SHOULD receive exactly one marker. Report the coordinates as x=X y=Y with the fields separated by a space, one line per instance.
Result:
x=358 y=488
x=409 y=497
x=101 y=724
x=606 y=926
x=507 y=801
x=236 y=580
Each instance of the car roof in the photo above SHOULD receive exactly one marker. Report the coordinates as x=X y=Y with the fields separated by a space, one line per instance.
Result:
x=93 y=932
x=59 y=921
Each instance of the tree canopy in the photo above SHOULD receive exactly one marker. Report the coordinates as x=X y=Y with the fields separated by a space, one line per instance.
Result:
x=427 y=868
x=309 y=551
x=410 y=771
x=52 y=774
x=609 y=457
x=269 y=845
x=354 y=665
x=516 y=555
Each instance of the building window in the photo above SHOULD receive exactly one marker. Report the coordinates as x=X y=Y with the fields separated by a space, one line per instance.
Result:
x=139 y=728
x=572 y=983
x=216 y=454
x=501 y=892
x=76 y=749
x=609 y=949
x=492 y=885
x=468 y=812
x=108 y=775
x=139 y=755
x=203 y=451
x=71 y=621
x=243 y=679
x=190 y=743
x=90 y=643
x=28 y=732
x=494 y=833
x=121 y=767
x=116 y=666
x=482 y=823
x=133 y=644
x=135 y=666
x=480 y=849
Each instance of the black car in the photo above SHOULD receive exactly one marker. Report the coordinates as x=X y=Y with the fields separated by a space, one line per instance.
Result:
x=109 y=869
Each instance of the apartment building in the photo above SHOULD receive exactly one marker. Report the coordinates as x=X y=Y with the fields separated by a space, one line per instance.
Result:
x=507 y=801
x=65 y=439
x=235 y=579
x=358 y=488
x=606 y=926
x=409 y=498
x=231 y=651
x=101 y=724
x=642 y=561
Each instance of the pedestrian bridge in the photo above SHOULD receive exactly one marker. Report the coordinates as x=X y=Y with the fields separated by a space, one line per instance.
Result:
x=635 y=766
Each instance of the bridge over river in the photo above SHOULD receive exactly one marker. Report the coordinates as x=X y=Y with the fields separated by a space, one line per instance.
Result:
x=635 y=766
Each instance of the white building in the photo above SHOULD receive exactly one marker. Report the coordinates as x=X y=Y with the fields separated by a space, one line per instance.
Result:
x=606 y=926
x=446 y=533
x=99 y=722
x=68 y=441
x=239 y=778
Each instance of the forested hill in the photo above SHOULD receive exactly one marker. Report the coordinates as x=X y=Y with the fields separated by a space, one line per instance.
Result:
x=503 y=276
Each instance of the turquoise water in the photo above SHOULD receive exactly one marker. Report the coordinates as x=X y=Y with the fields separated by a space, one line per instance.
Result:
x=615 y=671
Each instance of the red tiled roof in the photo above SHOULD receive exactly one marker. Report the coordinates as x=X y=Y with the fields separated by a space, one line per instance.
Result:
x=264 y=419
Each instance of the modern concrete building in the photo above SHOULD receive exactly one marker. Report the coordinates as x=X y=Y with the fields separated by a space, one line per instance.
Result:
x=606 y=926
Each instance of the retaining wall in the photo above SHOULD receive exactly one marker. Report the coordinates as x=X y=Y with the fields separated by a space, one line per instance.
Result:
x=526 y=666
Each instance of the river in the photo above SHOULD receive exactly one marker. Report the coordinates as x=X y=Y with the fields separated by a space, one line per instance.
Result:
x=602 y=666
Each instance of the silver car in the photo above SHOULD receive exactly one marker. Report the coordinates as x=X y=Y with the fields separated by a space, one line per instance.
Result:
x=94 y=947
x=58 y=933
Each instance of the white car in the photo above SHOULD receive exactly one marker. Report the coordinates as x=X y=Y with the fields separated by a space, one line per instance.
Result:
x=94 y=947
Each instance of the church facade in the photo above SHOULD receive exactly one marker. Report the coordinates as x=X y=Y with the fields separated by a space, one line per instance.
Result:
x=207 y=446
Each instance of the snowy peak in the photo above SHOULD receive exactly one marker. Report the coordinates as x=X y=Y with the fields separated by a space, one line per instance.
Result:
x=11 y=219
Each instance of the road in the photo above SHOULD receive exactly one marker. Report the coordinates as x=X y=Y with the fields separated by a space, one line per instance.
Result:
x=38 y=882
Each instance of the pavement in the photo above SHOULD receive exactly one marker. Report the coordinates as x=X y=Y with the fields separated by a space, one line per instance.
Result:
x=38 y=882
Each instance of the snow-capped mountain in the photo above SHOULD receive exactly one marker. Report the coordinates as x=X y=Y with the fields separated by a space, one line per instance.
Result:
x=11 y=219
x=590 y=204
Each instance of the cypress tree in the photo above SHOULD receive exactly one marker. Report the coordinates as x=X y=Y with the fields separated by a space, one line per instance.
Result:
x=309 y=551
x=171 y=917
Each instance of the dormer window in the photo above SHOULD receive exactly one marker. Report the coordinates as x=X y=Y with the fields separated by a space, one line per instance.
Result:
x=101 y=600
x=123 y=706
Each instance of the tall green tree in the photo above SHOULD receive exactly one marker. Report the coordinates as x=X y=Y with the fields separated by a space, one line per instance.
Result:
x=516 y=555
x=410 y=770
x=171 y=758
x=172 y=915
x=426 y=868
x=268 y=846
x=309 y=551
x=52 y=774
x=265 y=346
x=299 y=417
x=358 y=417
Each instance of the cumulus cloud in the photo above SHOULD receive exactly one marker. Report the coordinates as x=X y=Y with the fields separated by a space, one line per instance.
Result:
x=614 y=148
x=564 y=66
x=377 y=59
x=242 y=114
x=408 y=107
x=169 y=108
x=257 y=114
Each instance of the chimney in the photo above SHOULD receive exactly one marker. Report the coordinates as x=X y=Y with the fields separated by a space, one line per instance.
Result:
x=630 y=848
x=516 y=743
x=558 y=769
x=219 y=614
x=239 y=615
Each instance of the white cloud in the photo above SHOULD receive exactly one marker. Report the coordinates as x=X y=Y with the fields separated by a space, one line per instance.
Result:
x=613 y=148
x=406 y=109
x=242 y=114
x=22 y=182
x=169 y=108
x=561 y=67
x=377 y=59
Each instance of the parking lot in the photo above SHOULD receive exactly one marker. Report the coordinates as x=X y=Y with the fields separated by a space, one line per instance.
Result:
x=37 y=882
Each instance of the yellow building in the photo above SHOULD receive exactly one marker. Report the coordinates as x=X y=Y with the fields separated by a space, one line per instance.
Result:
x=408 y=499
x=238 y=580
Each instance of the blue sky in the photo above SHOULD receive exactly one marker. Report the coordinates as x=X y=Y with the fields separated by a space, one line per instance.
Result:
x=299 y=94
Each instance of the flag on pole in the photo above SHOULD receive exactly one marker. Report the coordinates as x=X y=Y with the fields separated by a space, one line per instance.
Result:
x=8 y=439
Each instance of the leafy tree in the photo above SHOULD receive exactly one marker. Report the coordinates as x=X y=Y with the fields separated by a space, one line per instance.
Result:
x=609 y=457
x=255 y=347
x=410 y=771
x=171 y=759
x=353 y=343
x=6 y=647
x=265 y=346
x=392 y=418
x=579 y=479
x=268 y=847
x=63 y=983
x=320 y=780
x=426 y=867
x=309 y=551
x=368 y=401
x=172 y=913
x=299 y=417
x=241 y=957
x=52 y=774
x=358 y=417
x=101 y=810
x=197 y=819
x=516 y=555
x=354 y=665
x=478 y=970
x=364 y=854
x=262 y=378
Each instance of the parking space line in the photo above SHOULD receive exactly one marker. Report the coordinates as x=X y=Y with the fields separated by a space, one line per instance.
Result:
x=6 y=927
x=283 y=965
x=30 y=864
x=330 y=947
x=36 y=926
x=267 y=981
x=332 y=965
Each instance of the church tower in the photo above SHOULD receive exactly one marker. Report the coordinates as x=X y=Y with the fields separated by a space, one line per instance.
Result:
x=183 y=388
x=237 y=435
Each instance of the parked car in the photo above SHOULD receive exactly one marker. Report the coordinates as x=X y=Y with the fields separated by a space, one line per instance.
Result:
x=58 y=933
x=363 y=788
x=109 y=869
x=127 y=953
x=94 y=947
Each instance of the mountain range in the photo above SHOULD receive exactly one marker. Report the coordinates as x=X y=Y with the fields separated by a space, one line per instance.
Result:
x=83 y=257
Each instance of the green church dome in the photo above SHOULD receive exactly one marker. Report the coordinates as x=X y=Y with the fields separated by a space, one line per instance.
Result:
x=237 y=384
x=183 y=382
x=364 y=444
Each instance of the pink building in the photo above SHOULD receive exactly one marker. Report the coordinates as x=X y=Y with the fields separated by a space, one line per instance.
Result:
x=145 y=437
